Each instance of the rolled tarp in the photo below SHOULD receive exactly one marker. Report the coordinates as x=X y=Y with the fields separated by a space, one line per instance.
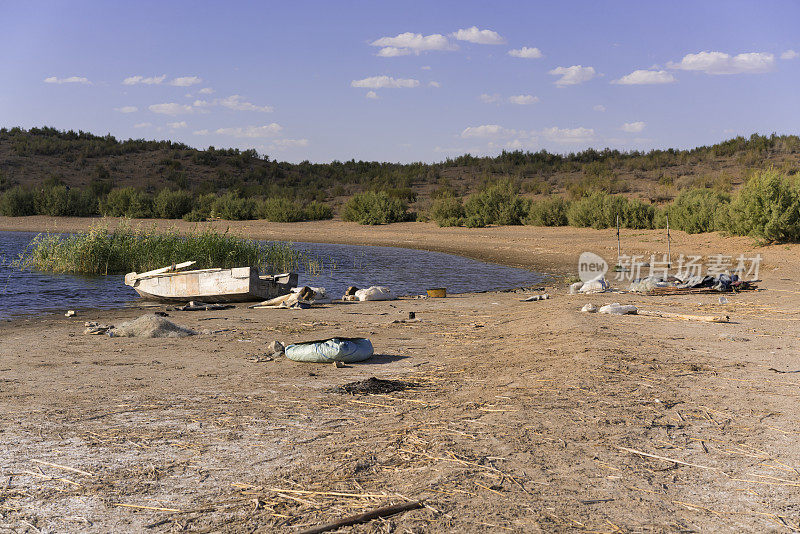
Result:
x=338 y=349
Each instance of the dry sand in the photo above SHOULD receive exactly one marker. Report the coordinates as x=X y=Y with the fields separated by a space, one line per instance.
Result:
x=524 y=419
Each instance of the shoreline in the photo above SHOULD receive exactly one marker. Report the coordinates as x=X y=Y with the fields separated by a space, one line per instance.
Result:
x=550 y=251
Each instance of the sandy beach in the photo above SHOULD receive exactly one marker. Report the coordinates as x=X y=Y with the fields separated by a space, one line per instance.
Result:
x=524 y=416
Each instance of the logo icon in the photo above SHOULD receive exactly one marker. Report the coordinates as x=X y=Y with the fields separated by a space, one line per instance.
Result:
x=591 y=267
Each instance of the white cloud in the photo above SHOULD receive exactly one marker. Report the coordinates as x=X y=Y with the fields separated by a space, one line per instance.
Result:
x=201 y=132
x=269 y=130
x=599 y=107
x=523 y=100
x=70 y=79
x=283 y=144
x=567 y=135
x=235 y=102
x=573 y=75
x=127 y=109
x=526 y=53
x=393 y=51
x=175 y=125
x=142 y=124
x=407 y=43
x=633 y=127
x=185 y=81
x=434 y=84
x=206 y=91
x=426 y=67
x=790 y=54
x=487 y=131
x=151 y=80
x=372 y=94
x=490 y=99
x=721 y=63
x=385 y=82
x=171 y=108
x=474 y=35
x=646 y=77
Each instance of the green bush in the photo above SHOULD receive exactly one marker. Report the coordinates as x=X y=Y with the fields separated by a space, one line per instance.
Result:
x=699 y=210
x=548 y=212
x=447 y=211
x=281 y=210
x=600 y=210
x=61 y=201
x=127 y=202
x=497 y=204
x=767 y=207
x=317 y=211
x=231 y=207
x=375 y=208
x=17 y=202
x=172 y=204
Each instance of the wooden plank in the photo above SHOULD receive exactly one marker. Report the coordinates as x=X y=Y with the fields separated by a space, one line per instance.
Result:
x=171 y=268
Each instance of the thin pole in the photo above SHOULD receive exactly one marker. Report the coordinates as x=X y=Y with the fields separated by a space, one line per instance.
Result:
x=669 y=247
x=618 y=245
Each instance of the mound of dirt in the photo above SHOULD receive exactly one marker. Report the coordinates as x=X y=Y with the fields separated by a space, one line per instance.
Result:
x=152 y=326
x=372 y=386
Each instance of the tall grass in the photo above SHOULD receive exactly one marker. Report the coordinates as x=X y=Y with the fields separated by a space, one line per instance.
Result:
x=126 y=249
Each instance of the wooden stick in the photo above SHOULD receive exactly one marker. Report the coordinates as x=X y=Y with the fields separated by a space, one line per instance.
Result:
x=63 y=467
x=147 y=507
x=366 y=516
x=665 y=459
x=703 y=318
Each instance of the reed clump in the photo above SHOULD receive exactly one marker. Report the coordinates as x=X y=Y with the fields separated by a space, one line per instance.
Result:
x=124 y=249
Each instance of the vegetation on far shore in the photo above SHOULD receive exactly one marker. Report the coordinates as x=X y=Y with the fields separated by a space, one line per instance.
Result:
x=591 y=188
x=126 y=249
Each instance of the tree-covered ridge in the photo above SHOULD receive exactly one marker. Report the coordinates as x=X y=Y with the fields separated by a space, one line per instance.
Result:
x=40 y=156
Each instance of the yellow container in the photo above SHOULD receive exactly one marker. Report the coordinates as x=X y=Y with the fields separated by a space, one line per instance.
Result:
x=437 y=293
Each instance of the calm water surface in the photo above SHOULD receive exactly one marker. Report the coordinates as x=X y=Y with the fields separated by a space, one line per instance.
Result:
x=405 y=271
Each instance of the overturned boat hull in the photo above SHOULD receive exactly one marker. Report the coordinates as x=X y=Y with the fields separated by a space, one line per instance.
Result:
x=240 y=284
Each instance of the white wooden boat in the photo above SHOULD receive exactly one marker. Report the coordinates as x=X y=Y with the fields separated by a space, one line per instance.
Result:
x=240 y=284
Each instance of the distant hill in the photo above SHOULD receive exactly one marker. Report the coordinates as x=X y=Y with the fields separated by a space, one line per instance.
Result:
x=39 y=156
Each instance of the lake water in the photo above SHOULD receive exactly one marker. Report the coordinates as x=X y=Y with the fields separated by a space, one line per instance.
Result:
x=405 y=271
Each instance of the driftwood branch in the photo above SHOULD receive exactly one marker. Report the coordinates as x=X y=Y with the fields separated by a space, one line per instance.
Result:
x=366 y=516
x=704 y=318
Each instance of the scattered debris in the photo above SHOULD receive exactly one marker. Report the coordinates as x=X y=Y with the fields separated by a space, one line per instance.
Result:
x=374 y=386
x=96 y=329
x=437 y=292
x=70 y=313
x=295 y=300
x=275 y=348
x=195 y=305
x=371 y=293
x=151 y=326
x=534 y=298
x=405 y=321
x=671 y=285
x=318 y=295
x=260 y=358
x=592 y=286
x=619 y=309
x=589 y=308
x=338 y=364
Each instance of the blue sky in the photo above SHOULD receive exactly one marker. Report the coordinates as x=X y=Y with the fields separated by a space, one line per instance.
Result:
x=403 y=81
